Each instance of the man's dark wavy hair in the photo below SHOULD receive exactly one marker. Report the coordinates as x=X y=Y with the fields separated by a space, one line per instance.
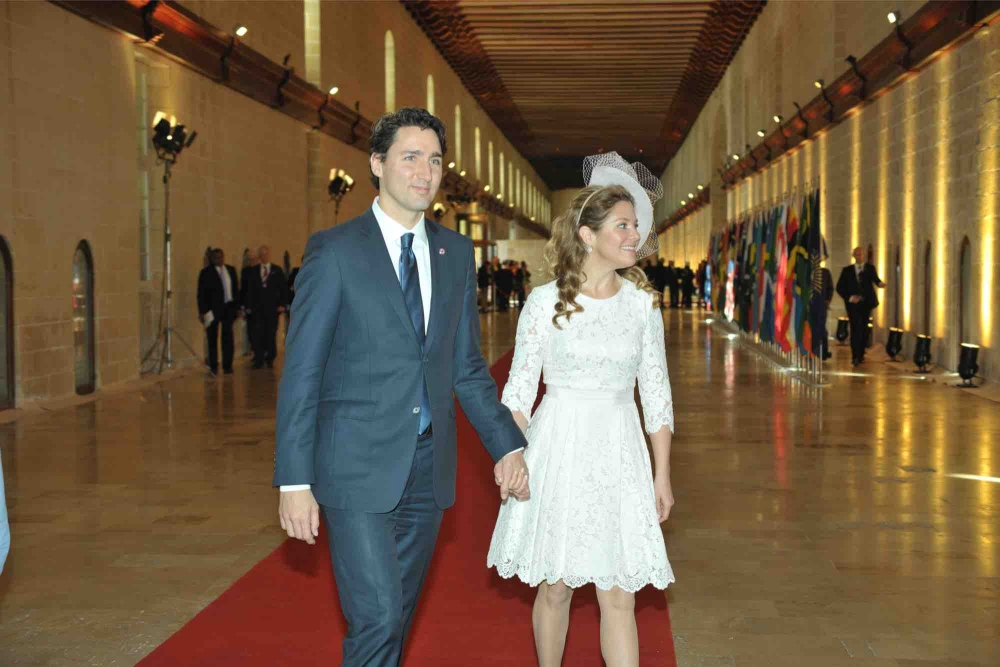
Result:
x=384 y=131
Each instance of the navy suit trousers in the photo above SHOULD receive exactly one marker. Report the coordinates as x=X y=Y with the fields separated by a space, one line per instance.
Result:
x=380 y=562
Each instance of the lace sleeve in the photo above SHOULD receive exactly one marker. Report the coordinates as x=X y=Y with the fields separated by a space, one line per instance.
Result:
x=529 y=347
x=654 y=383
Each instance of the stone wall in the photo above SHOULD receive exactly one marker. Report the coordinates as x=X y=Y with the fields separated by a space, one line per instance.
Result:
x=76 y=102
x=914 y=173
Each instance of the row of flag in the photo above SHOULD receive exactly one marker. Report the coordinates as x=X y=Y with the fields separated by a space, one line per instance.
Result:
x=766 y=274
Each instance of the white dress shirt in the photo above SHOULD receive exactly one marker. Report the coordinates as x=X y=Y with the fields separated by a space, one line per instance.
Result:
x=227 y=283
x=392 y=234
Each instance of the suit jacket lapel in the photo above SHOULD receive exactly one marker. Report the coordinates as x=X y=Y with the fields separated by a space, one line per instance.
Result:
x=437 y=283
x=383 y=270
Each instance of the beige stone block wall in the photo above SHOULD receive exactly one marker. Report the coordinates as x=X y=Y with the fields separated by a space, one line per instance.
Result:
x=353 y=34
x=67 y=174
x=275 y=28
x=74 y=148
x=917 y=166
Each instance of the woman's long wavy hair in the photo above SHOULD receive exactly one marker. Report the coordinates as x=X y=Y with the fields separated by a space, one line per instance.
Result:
x=566 y=252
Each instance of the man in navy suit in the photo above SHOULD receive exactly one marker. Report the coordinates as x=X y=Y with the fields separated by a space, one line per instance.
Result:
x=385 y=334
x=218 y=291
x=856 y=286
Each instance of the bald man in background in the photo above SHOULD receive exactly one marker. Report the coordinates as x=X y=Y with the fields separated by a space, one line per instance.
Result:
x=856 y=286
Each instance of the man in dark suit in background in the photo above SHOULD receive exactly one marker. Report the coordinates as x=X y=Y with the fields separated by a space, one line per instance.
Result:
x=265 y=298
x=250 y=265
x=673 y=284
x=856 y=286
x=687 y=284
x=504 y=282
x=218 y=289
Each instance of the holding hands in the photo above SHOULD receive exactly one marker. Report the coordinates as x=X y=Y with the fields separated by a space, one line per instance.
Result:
x=511 y=475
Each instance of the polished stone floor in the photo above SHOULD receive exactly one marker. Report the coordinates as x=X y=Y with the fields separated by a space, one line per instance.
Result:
x=812 y=527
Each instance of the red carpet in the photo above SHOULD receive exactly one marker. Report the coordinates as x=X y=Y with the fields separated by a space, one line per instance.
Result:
x=285 y=612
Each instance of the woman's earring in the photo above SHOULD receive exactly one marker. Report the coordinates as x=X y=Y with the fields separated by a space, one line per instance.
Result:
x=589 y=250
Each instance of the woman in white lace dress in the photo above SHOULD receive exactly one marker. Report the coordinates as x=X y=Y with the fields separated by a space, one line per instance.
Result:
x=596 y=505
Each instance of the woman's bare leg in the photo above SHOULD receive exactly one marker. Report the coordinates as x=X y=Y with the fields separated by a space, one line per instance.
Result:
x=619 y=635
x=550 y=619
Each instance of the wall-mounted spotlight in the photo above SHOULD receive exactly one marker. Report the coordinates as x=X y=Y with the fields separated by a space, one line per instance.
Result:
x=857 y=72
x=462 y=173
x=334 y=90
x=967 y=363
x=798 y=112
x=701 y=187
x=683 y=202
x=736 y=156
x=826 y=98
x=761 y=133
x=451 y=165
x=690 y=195
x=843 y=330
x=340 y=184
x=241 y=31
x=500 y=196
x=922 y=353
x=438 y=211
x=894 y=345
x=487 y=188
x=893 y=16
x=778 y=118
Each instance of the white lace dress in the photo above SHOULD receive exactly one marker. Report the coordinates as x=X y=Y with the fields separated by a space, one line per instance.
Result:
x=592 y=513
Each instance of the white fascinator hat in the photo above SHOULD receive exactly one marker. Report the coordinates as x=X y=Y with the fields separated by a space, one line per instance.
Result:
x=611 y=168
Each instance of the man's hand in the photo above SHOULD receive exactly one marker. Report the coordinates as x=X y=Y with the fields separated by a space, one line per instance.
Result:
x=511 y=475
x=298 y=512
x=855 y=299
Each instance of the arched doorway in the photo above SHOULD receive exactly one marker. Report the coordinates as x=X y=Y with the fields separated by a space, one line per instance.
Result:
x=7 y=384
x=928 y=282
x=83 y=318
x=964 y=295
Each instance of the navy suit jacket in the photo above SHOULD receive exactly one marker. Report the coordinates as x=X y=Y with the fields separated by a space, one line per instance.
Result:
x=350 y=391
x=848 y=285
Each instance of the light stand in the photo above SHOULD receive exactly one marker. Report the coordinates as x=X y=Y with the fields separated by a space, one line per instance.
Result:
x=169 y=139
x=340 y=184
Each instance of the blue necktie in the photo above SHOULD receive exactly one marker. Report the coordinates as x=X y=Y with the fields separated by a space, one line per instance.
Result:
x=409 y=280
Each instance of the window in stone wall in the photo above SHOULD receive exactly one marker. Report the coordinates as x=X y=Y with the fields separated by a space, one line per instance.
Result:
x=390 y=72
x=965 y=292
x=489 y=162
x=83 y=318
x=430 y=93
x=458 y=137
x=502 y=180
x=145 y=268
x=7 y=387
x=478 y=155
x=928 y=275
x=143 y=142
x=510 y=184
x=897 y=291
